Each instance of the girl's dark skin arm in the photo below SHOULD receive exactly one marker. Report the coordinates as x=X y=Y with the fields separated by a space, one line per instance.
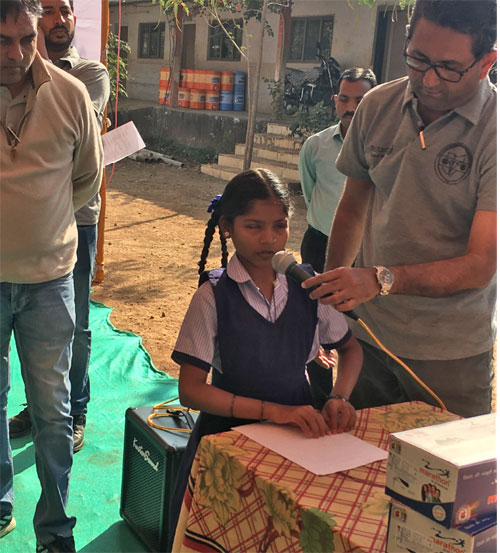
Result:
x=340 y=415
x=194 y=392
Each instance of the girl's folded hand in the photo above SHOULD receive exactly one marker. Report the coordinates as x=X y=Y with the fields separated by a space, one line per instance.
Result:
x=339 y=415
x=310 y=421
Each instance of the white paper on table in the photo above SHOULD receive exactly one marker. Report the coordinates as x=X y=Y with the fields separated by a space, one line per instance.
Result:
x=121 y=142
x=325 y=455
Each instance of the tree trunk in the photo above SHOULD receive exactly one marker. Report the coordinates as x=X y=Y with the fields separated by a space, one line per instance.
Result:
x=252 y=111
x=283 y=42
x=176 y=61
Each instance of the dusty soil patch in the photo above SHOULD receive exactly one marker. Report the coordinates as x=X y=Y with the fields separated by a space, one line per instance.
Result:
x=155 y=223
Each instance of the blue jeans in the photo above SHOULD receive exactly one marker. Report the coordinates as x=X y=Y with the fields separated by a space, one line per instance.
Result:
x=82 y=276
x=42 y=317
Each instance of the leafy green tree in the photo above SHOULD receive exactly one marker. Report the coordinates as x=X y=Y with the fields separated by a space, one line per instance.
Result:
x=114 y=64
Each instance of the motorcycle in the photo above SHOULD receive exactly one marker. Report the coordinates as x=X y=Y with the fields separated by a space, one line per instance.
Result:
x=304 y=89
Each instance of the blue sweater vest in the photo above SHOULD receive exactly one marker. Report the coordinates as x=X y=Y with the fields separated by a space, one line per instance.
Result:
x=259 y=358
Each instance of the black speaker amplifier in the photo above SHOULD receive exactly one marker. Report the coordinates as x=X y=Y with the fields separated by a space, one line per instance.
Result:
x=151 y=459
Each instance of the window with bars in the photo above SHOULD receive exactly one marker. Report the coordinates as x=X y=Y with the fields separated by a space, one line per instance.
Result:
x=220 y=46
x=306 y=33
x=151 y=40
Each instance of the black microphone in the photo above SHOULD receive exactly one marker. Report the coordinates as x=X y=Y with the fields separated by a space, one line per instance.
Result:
x=285 y=264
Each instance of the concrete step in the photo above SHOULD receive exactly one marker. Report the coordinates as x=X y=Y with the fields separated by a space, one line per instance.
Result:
x=271 y=153
x=227 y=173
x=278 y=141
x=219 y=171
x=278 y=128
x=231 y=160
x=289 y=173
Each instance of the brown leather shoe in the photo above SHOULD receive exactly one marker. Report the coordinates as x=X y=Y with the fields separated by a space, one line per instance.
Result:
x=79 y=422
x=20 y=424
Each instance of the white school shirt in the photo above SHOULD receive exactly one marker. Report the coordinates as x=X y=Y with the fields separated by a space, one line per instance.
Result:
x=198 y=334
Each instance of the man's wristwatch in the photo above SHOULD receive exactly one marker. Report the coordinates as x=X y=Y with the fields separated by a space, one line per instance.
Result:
x=385 y=279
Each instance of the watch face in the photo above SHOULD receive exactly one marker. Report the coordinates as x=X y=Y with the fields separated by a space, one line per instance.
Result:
x=385 y=279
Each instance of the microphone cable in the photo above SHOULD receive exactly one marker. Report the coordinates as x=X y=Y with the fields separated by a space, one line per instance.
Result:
x=355 y=317
x=284 y=263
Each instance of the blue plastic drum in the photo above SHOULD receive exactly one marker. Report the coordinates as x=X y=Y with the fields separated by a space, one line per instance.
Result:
x=239 y=89
x=226 y=100
x=240 y=78
x=238 y=102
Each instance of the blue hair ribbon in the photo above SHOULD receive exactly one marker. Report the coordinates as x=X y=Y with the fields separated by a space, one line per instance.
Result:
x=214 y=204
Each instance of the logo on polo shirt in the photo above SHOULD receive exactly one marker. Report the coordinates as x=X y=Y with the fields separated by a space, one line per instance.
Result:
x=453 y=163
x=378 y=152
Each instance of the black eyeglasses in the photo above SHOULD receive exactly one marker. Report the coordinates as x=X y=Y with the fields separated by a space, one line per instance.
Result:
x=443 y=72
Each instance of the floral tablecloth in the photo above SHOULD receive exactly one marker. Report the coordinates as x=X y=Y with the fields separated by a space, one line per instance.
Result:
x=244 y=498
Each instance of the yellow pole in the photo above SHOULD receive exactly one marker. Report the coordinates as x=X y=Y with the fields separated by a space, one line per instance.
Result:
x=99 y=258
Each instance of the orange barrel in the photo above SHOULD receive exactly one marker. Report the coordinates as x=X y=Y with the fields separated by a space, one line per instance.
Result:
x=198 y=83
x=164 y=76
x=197 y=99
x=211 y=80
x=201 y=82
x=188 y=79
x=182 y=78
x=212 y=100
x=226 y=80
x=164 y=83
x=183 y=97
x=161 y=96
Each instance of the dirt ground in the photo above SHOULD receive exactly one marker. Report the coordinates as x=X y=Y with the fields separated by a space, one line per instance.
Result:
x=155 y=223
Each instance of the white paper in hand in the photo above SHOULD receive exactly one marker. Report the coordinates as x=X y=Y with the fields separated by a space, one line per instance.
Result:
x=121 y=142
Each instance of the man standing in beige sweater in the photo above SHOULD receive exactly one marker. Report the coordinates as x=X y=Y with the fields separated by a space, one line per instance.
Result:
x=51 y=165
x=57 y=30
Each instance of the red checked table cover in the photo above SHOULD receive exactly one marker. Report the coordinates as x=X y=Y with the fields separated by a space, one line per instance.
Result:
x=244 y=498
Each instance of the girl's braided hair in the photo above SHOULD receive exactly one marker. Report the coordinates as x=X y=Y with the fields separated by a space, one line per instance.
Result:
x=237 y=199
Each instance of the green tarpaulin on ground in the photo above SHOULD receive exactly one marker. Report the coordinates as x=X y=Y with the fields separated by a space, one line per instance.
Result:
x=122 y=375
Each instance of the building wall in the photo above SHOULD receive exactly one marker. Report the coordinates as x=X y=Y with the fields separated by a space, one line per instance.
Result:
x=219 y=130
x=144 y=74
x=352 y=45
x=353 y=29
x=394 y=64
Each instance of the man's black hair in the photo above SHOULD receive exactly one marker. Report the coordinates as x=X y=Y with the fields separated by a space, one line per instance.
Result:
x=32 y=7
x=70 y=2
x=477 y=18
x=354 y=74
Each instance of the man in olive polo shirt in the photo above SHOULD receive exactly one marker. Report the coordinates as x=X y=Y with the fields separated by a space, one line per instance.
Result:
x=418 y=215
